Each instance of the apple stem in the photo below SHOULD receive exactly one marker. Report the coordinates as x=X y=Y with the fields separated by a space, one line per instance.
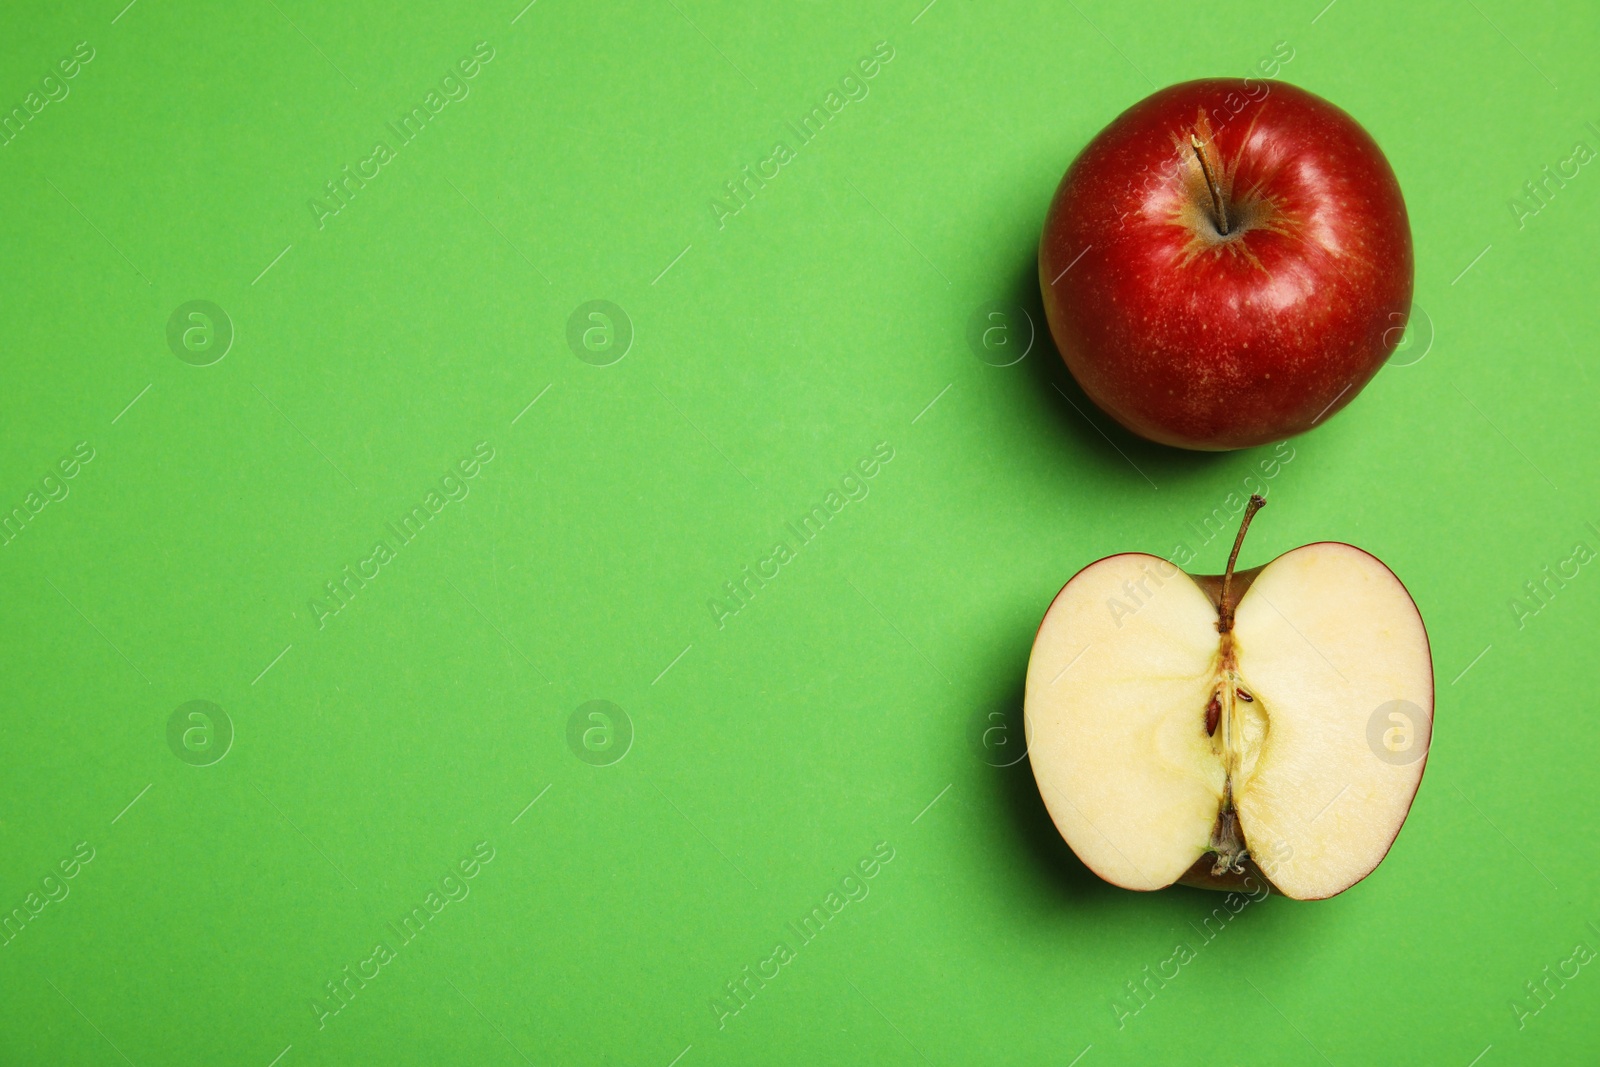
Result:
x=1216 y=193
x=1225 y=612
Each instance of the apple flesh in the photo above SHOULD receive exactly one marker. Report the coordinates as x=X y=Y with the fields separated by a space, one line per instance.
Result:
x=1227 y=264
x=1209 y=729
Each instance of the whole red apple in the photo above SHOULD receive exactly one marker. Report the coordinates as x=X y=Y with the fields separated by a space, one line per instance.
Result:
x=1227 y=264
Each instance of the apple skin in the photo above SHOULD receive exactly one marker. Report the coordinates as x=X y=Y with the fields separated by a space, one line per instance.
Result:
x=1206 y=341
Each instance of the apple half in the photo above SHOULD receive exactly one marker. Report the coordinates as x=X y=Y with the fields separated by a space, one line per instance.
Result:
x=1271 y=723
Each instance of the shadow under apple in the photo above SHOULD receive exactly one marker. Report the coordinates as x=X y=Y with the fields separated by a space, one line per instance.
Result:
x=1027 y=842
x=1120 y=457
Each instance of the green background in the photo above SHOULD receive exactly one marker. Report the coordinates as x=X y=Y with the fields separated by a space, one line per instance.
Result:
x=841 y=707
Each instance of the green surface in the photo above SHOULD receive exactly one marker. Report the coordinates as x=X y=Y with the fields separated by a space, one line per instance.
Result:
x=772 y=350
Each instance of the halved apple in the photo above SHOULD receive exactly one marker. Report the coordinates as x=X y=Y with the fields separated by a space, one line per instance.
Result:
x=1272 y=722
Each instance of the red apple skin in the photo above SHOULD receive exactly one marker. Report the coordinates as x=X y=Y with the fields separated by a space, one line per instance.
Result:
x=1204 y=341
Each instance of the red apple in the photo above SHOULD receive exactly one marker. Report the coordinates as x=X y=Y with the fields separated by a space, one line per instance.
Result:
x=1227 y=263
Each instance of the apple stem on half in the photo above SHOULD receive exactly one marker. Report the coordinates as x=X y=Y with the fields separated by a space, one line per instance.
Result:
x=1225 y=609
x=1216 y=192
